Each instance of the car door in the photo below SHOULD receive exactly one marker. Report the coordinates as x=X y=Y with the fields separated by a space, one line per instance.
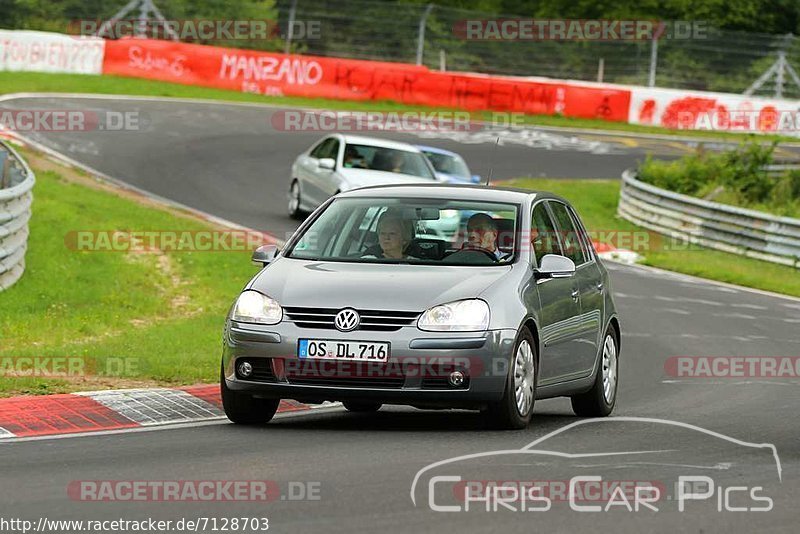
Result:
x=312 y=177
x=588 y=280
x=329 y=180
x=558 y=305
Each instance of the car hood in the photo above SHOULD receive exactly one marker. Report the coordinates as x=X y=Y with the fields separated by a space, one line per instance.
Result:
x=366 y=177
x=372 y=286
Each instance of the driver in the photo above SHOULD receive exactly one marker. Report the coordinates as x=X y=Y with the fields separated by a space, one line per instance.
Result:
x=352 y=159
x=482 y=235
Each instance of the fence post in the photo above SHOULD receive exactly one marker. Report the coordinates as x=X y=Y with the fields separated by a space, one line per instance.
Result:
x=442 y=60
x=287 y=49
x=651 y=82
x=421 y=34
x=779 y=74
x=601 y=66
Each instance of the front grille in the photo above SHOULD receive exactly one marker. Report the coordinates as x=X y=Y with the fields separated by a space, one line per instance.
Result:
x=262 y=369
x=344 y=374
x=371 y=320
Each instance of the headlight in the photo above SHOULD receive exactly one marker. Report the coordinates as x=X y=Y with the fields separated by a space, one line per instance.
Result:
x=253 y=307
x=459 y=316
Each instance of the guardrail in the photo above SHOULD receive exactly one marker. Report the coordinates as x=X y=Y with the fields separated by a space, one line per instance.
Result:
x=709 y=224
x=16 y=196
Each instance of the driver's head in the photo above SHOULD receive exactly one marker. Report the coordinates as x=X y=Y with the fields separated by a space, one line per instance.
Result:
x=482 y=232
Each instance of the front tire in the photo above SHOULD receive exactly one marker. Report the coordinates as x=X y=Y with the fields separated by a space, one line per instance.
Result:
x=515 y=409
x=362 y=407
x=601 y=399
x=294 y=201
x=244 y=409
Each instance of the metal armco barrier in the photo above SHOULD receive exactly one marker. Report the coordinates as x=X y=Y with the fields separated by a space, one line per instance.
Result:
x=709 y=224
x=16 y=196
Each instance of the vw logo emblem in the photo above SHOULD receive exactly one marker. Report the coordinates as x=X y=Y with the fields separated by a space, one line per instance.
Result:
x=347 y=320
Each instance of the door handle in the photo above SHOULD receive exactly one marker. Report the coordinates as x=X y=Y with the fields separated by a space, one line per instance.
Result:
x=575 y=294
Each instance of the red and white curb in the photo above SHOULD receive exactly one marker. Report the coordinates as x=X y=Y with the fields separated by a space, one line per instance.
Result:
x=118 y=409
x=609 y=252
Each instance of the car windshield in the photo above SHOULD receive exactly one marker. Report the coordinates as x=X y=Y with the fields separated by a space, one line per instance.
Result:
x=378 y=158
x=418 y=231
x=448 y=163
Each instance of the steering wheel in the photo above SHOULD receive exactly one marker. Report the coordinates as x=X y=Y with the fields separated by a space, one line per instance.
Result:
x=482 y=250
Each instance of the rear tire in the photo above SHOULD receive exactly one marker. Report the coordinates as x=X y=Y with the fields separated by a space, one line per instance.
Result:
x=515 y=409
x=294 y=201
x=601 y=399
x=244 y=409
x=362 y=407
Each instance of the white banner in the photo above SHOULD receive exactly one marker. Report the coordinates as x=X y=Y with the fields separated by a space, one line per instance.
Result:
x=50 y=52
x=700 y=110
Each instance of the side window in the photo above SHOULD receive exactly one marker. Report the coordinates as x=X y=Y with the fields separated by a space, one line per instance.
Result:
x=543 y=233
x=321 y=148
x=568 y=235
x=585 y=239
x=332 y=150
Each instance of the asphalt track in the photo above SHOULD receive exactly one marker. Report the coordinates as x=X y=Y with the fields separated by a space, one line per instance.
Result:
x=222 y=159
x=230 y=160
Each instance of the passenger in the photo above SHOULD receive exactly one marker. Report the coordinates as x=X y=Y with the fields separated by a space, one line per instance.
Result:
x=396 y=162
x=394 y=236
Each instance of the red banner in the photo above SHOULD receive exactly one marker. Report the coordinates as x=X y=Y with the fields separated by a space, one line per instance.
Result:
x=348 y=79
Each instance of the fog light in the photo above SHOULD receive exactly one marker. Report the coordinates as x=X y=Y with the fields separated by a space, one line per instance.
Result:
x=245 y=369
x=456 y=379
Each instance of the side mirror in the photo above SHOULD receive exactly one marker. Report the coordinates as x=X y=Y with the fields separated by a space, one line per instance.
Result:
x=555 y=266
x=476 y=179
x=265 y=254
x=326 y=163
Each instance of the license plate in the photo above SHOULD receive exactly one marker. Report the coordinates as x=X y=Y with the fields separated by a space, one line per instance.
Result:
x=329 y=349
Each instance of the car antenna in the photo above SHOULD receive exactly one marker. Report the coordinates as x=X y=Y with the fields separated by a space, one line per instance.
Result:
x=491 y=158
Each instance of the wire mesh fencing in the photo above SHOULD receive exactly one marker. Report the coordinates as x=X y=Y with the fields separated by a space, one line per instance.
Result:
x=712 y=60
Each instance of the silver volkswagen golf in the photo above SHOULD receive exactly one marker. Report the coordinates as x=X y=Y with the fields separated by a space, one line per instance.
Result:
x=366 y=305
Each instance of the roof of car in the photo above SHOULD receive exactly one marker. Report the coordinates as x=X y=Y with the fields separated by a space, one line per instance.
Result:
x=436 y=150
x=374 y=141
x=465 y=192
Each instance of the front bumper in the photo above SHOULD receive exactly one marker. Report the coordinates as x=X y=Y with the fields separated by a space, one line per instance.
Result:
x=415 y=374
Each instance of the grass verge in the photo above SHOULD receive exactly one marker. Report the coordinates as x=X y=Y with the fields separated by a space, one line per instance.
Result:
x=128 y=319
x=20 y=82
x=596 y=201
